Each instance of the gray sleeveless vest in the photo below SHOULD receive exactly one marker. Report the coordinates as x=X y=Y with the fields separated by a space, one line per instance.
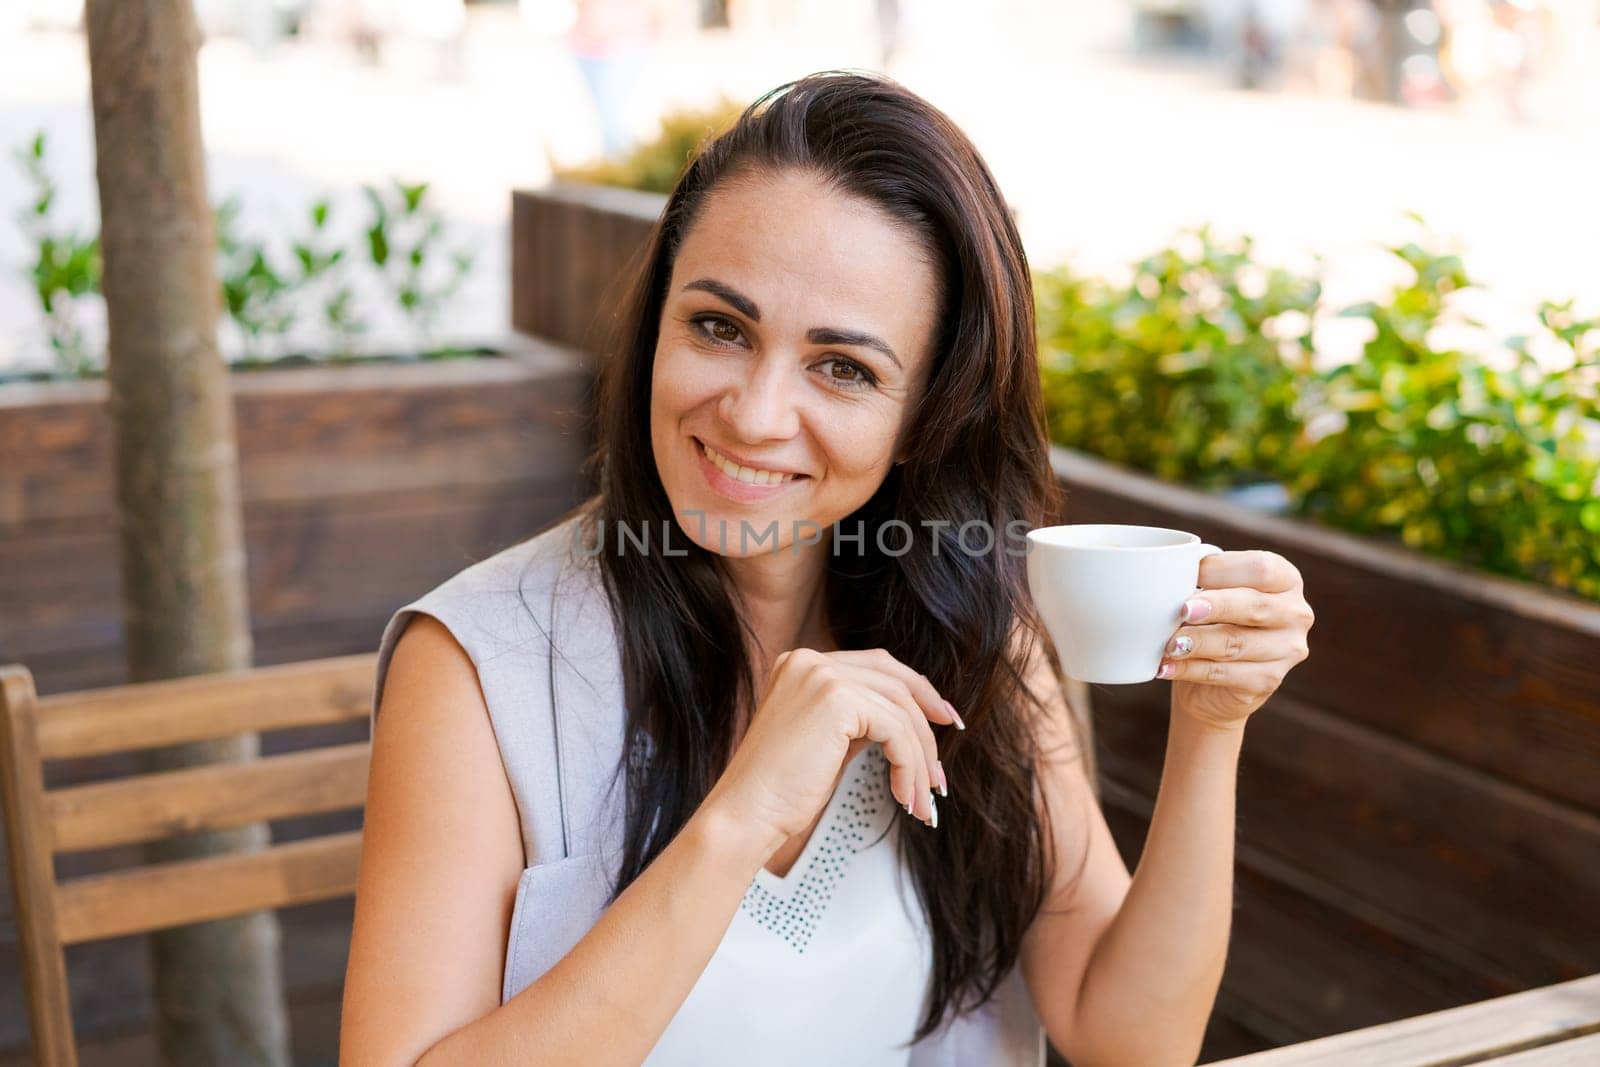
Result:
x=538 y=626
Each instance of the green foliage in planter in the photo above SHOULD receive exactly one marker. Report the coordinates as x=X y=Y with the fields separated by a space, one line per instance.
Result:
x=1188 y=371
x=403 y=243
x=1497 y=467
x=1200 y=371
x=65 y=267
x=655 y=166
x=263 y=295
x=256 y=295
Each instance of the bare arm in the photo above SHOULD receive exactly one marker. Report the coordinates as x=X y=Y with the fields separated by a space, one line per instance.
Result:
x=1125 y=972
x=441 y=859
x=1162 y=958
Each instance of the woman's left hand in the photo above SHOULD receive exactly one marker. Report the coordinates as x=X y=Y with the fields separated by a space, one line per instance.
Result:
x=1244 y=632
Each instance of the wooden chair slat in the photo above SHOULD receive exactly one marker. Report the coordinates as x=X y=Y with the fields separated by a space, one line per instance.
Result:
x=214 y=887
x=44 y=965
x=1472 y=1032
x=201 y=707
x=147 y=807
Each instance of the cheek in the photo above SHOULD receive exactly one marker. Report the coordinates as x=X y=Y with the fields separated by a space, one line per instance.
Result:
x=679 y=383
x=860 y=444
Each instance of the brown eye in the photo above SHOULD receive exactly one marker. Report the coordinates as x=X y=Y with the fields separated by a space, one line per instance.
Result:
x=856 y=376
x=723 y=330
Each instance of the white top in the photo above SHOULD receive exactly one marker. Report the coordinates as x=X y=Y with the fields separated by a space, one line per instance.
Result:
x=828 y=964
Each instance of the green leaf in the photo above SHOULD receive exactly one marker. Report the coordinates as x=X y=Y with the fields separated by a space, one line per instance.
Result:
x=412 y=195
x=378 y=245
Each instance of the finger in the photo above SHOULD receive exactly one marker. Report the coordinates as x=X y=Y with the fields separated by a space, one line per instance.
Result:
x=896 y=691
x=1256 y=679
x=1243 y=606
x=1254 y=569
x=933 y=704
x=1225 y=641
x=908 y=769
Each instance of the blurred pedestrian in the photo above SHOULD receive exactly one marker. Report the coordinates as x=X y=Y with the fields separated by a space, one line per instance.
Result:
x=611 y=41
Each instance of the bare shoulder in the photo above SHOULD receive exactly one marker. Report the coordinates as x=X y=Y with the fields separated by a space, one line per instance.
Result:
x=432 y=680
x=441 y=857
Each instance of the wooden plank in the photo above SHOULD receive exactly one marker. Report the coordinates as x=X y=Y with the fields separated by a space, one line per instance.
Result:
x=1496 y=878
x=572 y=248
x=146 y=807
x=110 y=980
x=321 y=432
x=32 y=878
x=1229 y=1034
x=202 y=707
x=308 y=560
x=1577 y=1052
x=605 y=254
x=1305 y=958
x=215 y=887
x=322 y=582
x=1501 y=675
x=1471 y=1033
x=525 y=262
x=313 y=1030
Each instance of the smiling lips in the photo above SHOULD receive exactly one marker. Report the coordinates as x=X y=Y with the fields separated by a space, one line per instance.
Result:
x=747 y=475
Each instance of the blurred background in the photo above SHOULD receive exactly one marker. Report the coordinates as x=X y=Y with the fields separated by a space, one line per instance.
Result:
x=1110 y=123
x=1314 y=276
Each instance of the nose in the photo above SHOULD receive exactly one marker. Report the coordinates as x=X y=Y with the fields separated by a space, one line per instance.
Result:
x=759 y=405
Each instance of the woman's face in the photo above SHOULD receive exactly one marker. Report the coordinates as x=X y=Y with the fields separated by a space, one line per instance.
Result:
x=795 y=338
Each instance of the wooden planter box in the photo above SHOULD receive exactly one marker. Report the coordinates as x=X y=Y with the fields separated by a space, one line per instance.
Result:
x=573 y=248
x=364 y=486
x=1419 y=811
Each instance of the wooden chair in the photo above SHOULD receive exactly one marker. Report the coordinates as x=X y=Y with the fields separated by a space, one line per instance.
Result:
x=41 y=823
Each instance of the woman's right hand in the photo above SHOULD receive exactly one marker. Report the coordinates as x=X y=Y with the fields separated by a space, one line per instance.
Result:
x=820 y=707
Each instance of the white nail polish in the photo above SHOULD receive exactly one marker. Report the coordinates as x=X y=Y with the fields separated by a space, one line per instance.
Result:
x=933 y=806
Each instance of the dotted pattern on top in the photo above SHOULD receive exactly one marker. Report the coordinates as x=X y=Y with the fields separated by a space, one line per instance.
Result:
x=851 y=825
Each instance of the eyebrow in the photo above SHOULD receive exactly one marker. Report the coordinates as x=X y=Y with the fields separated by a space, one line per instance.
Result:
x=818 y=335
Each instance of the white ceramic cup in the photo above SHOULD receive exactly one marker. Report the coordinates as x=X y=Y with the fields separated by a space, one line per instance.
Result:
x=1112 y=595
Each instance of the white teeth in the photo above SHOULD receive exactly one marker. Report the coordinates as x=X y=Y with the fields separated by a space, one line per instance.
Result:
x=743 y=474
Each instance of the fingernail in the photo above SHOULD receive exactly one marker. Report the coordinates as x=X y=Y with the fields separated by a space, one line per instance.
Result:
x=908 y=806
x=933 y=806
x=1196 y=609
x=954 y=715
x=944 y=785
x=1181 y=645
x=1165 y=671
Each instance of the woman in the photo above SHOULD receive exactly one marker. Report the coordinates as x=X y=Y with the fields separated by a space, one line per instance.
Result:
x=831 y=336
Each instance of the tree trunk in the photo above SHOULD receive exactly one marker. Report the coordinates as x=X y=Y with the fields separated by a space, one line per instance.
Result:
x=218 y=988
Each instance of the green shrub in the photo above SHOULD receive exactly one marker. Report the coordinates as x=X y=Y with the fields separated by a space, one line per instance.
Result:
x=655 y=165
x=65 y=267
x=1495 y=467
x=1188 y=371
x=264 y=297
x=1200 y=371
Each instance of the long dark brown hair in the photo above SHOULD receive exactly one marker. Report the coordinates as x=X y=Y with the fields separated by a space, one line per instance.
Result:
x=978 y=454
